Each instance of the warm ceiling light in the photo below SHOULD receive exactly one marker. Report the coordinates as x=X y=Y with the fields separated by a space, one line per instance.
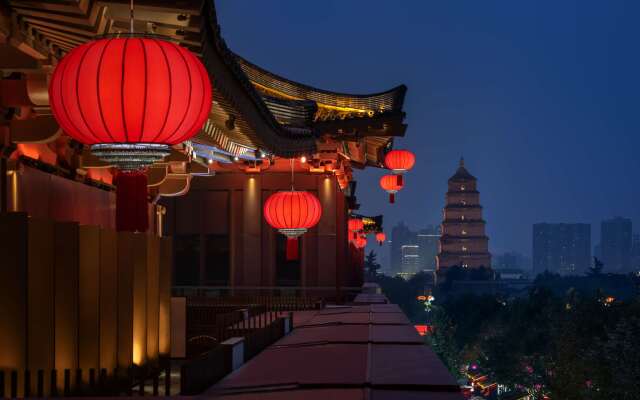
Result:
x=236 y=158
x=210 y=161
x=303 y=159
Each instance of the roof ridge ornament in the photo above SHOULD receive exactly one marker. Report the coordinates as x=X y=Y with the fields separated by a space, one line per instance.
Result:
x=462 y=161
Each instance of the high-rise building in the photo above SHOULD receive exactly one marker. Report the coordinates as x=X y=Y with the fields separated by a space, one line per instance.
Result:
x=615 y=242
x=635 y=253
x=561 y=248
x=509 y=260
x=411 y=262
x=427 y=240
x=463 y=241
x=401 y=235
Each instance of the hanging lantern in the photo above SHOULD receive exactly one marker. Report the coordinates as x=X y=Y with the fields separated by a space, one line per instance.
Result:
x=130 y=98
x=381 y=237
x=355 y=225
x=292 y=213
x=390 y=184
x=361 y=242
x=399 y=162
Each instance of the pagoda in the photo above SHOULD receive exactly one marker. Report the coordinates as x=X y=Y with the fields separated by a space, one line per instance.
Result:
x=463 y=241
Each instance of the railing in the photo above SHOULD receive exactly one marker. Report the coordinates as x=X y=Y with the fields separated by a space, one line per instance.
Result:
x=83 y=382
x=199 y=373
x=292 y=295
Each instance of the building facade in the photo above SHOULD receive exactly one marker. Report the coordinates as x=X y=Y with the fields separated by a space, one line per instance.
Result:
x=616 y=243
x=561 y=248
x=411 y=262
x=401 y=235
x=428 y=239
x=463 y=241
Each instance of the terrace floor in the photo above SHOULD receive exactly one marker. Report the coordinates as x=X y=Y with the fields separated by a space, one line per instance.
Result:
x=360 y=351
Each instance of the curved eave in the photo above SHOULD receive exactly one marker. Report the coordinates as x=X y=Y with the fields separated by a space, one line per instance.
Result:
x=390 y=100
x=239 y=98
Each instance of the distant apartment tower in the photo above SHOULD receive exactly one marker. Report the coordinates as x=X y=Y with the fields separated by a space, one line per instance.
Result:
x=561 y=248
x=463 y=241
x=427 y=240
x=509 y=260
x=411 y=262
x=615 y=243
x=401 y=235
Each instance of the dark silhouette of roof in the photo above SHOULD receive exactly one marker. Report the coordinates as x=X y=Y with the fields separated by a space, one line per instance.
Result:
x=462 y=174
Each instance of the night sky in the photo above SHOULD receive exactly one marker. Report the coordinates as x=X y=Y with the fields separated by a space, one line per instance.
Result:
x=541 y=97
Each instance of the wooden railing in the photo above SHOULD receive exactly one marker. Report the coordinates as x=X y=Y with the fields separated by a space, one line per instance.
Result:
x=82 y=382
x=200 y=373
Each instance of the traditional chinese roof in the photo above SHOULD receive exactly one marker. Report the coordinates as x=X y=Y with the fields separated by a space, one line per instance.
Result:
x=253 y=109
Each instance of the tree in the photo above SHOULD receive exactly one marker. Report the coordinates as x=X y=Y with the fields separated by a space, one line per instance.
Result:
x=597 y=268
x=371 y=264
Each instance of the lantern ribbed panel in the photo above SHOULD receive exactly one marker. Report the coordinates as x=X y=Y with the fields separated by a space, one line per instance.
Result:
x=390 y=183
x=361 y=242
x=355 y=224
x=399 y=160
x=292 y=210
x=130 y=90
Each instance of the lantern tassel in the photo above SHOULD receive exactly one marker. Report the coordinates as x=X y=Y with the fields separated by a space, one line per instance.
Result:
x=292 y=249
x=132 y=214
x=399 y=180
x=392 y=198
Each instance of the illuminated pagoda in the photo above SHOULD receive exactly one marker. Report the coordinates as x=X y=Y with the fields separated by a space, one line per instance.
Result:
x=109 y=304
x=463 y=241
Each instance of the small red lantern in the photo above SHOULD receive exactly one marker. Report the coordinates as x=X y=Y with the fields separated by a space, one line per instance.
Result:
x=355 y=225
x=130 y=98
x=390 y=184
x=361 y=242
x=292 y=213
x=399 y=162
x=381 y=237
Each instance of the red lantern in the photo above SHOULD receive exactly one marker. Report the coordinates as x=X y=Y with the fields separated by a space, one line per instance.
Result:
x=399 y=162
x=381 y=237
x=361 y=242
x=292 y=213
x=355 y=225
x=130 y=98
x=390 y=184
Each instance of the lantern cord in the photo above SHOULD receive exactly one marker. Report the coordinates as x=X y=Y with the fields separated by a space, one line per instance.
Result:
x=131 y=16
x=291 y=161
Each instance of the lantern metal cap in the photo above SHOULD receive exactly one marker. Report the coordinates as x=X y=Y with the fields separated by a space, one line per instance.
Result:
x=130 y=156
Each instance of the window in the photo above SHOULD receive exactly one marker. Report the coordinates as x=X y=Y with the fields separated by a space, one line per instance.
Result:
x=463 y=202
x=464 y=232
x=217 y=260
x=462 y=187
x=186 y=262
x=287 y=271
x=462 y=217
x=464 y=248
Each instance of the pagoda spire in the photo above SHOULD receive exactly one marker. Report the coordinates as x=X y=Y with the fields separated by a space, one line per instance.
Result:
x=462 y=161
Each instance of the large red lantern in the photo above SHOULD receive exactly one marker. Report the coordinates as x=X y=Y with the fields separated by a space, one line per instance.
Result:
x=399 y=162
x=390 y=184
x=292 y=213
x=380 y=237
x=355 y=225
x=130 y=98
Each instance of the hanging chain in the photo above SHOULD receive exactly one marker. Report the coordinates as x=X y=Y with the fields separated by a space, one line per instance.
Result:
x=291 y=161
x=131 y=16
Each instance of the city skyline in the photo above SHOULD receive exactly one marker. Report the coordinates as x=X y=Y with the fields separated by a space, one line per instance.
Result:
x=523 y=117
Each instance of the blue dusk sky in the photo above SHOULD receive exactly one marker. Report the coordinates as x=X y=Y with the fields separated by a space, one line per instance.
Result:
x=541 y=97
